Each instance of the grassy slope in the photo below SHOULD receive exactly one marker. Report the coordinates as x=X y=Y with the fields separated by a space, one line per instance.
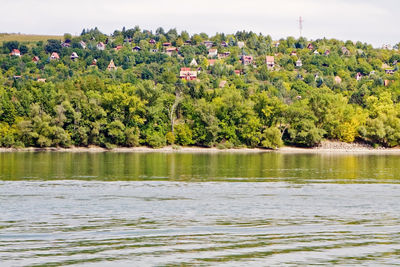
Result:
x=26 y=38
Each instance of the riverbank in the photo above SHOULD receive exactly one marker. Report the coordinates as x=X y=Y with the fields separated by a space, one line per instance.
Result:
x=325 y=147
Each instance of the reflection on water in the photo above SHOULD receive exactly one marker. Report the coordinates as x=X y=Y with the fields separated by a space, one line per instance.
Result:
x=210 y=209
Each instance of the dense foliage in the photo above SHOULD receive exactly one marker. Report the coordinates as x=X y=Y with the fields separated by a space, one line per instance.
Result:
x=310 y=93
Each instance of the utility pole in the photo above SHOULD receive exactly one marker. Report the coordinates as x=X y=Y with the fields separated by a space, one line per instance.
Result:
x=301 y=25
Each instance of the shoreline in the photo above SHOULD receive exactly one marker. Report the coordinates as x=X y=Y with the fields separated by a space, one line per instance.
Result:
x=327 y=148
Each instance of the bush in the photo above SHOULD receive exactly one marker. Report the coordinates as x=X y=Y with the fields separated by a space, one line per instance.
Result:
x=272 y=138
x=170 y=137
x=183 y=135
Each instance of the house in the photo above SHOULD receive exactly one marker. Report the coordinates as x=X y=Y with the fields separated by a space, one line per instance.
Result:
x=211 y=62
x=387 y=47
x=35 y=59
x=387 y=83
x=128 y=40
x=66 y=44
x=41 y=80
x=118 y=47
x=74 y=56
x=170 y=50
x=83 y=44
x=208 y=44
x=111 y=66
x=101 y=46
x=54 y=56
x=188 y=42
x=247 y=60
x=152 y=42
x=310 y=46
x=212 y=52
x=299 y=63
x=16 y=52
x=294 y=53
x=327 y=52
x=193 y=62
x=166 y=44
x=276 y=44
x=224 y=55
x=270 y=61
x=389 y=71
x=240 y=44
x=153 y=50
x=188 y=74
x=222 y=84
x=237 y=72
x=94 y=62
x=316 y=52
x=136 y=49
x=345 y=51
x=224 y=44
x=358 y=76
x=338 y=80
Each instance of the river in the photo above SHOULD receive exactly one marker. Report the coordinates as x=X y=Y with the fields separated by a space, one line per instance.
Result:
x=182 y=209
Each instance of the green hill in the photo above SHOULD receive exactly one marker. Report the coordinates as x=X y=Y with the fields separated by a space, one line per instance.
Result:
x=136 y=87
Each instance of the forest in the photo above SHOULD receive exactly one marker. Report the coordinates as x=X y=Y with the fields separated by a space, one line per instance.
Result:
x=141 y=88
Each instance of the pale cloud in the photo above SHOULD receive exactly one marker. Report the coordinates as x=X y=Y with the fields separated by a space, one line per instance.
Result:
x=367 y=20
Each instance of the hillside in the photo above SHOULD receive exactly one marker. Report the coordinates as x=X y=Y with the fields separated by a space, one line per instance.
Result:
x=136 y=88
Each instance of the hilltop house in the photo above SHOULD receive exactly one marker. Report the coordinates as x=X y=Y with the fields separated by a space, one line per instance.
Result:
x=338 y=80
x=345 y=51
x=152 y=42
x=299 y=63
x=35 y=59
x=327 y=52
x=118 y=47
x=83 y=44
x=170 y=50
x=74 y=56
x=270 y=61
x=193 y=62
x=101 y=46
x=237 y=72
x=16 y=52
x=310 y=46
x=211 y=62
x=111 y=66
x=188 y=74
x=247 y=60
x=166 y=44
x=224 y=44
x=212 y=53
x=389 y=71
x=54 y=56
x=222 y=84
x=66 y=44
x=208 y=44
x=240 y=44
x=136 y=49
x=94 y=62
x=358 y=76
x=294 y=53
x=224 y=55
x=153 y=50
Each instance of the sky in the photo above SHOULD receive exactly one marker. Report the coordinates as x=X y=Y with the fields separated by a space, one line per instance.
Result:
x=371 y=21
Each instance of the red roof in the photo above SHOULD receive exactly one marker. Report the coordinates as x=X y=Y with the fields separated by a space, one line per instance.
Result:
x=185 y=69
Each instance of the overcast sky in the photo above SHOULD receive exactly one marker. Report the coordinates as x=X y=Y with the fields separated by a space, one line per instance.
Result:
x=372 y=21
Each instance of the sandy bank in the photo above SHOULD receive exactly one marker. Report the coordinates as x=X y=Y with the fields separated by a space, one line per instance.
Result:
x=326 y=147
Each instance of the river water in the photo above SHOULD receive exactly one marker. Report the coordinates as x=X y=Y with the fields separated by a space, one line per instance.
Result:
x=177 y=209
